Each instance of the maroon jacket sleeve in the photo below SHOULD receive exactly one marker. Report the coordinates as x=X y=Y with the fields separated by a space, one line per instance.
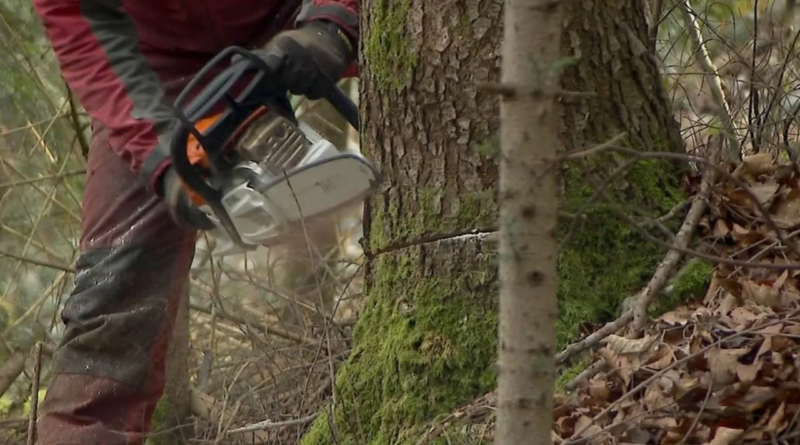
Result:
x=98 y=52
x=342 y=12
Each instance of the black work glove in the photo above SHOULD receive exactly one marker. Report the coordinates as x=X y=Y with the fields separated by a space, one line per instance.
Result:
x=179 y=205
x=308 y=60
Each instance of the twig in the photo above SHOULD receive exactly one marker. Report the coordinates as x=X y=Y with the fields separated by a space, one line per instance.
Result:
x=10 y=370
x=595 y=337
x=655 y=21
x=221 y=313
x=76 y=124
x=13 y=423
x=510 y=90
x=37 y=370
x=670 y=261
x=267 y=424
x=723 y=110
x=34 y=261
x=586 y=374
x=673 y=212
x=66 y=174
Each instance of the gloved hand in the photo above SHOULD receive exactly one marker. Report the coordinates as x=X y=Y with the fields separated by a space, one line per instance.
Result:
x=179 y=205
x=301 y=56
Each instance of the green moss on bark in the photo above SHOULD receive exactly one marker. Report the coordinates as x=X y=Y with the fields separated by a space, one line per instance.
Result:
x=475 y=209
x=425 y=342
x=391 y=61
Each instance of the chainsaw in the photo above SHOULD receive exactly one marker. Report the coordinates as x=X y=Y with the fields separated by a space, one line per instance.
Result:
x=252 y=173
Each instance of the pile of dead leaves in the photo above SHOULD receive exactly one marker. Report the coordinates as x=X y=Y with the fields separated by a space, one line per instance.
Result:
x=722 y=370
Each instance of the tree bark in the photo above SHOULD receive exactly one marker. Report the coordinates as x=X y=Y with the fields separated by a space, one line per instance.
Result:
x=426 y=340
x=528 y=222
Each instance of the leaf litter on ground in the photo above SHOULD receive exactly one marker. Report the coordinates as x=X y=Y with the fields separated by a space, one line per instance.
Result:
x=721 y=370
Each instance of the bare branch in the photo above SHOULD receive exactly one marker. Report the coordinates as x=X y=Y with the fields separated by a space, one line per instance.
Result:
x=733 y=153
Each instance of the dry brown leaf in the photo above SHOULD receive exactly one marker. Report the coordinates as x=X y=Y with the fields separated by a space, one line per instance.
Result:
x=777 y=422
x=728 y=304
x=654 y=398
x=726 y=436
x=786 y=211
x=756 y=165
x=766 y=191
x=781 y=280
x=721 y=228
x=723 y=363
x=619 y=363
x=599 y=390
x=663 y=357
x=758 y=396
x=626 y=346
x=746 y=237
x=748 y=373
x=679 y=316
x=713 y=289
x=637 y=435
x=761 y=294
x=662 y=423
x=585 y=427
x=792 y=329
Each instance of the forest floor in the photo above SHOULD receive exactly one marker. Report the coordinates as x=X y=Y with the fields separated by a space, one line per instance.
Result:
x=719 y=370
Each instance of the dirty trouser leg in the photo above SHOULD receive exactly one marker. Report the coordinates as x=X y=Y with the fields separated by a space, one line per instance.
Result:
x=133 y=268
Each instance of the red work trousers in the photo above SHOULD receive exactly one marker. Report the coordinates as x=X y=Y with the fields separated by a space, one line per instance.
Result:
x=133 y=269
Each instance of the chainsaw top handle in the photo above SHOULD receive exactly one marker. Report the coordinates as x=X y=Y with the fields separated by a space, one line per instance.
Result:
x=261 y=90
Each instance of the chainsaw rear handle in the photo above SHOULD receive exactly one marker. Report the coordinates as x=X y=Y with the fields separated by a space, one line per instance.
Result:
x=261 y=90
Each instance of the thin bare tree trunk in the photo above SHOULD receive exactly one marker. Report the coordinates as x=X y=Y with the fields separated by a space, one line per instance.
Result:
x=528 y=222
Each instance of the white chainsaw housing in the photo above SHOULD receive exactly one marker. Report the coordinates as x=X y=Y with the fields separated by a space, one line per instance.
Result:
x=277 y=199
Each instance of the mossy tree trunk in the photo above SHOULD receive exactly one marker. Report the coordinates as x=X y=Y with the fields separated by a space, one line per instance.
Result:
x=605 y=260
x=426 y=338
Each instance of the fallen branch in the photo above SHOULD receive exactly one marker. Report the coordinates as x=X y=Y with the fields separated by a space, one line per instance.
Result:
x=670 y=261
x=585 y=375
x=595 y=338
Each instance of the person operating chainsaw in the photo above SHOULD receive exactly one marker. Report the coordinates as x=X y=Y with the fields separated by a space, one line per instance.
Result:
x=126 y=61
